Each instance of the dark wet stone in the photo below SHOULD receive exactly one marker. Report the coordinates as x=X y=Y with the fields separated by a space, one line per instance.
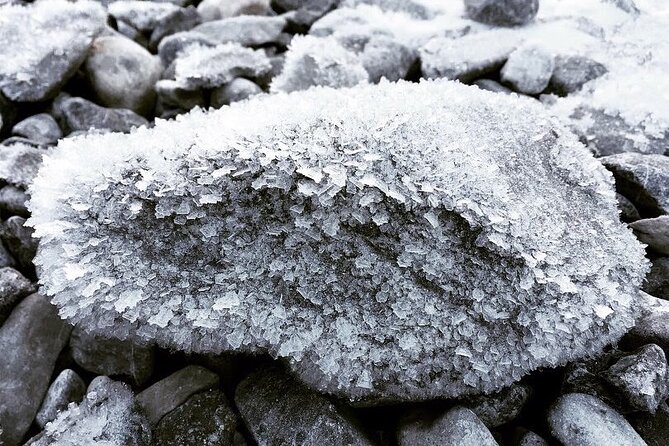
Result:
x=502 y=12
x=628 y=212
x=81 y=115
x=13 y=201
x=501 y=407
x=68 y=387
x=572 y=72
x=13 y=287
x=657 y=279
x=654 y=232
x=18 y=240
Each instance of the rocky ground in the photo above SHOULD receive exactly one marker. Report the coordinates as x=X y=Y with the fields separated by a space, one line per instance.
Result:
x=68 y=69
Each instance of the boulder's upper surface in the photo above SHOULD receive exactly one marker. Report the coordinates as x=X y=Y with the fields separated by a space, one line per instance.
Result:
x=399 y=241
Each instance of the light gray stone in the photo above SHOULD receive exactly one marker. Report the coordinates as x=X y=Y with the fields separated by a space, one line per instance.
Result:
x=654 y=232
x=41 y=128
x=457 y=427
x=68 y=387
x=528 y=69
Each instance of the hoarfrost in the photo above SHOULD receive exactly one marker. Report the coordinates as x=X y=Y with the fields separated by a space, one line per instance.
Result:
x=399 y=241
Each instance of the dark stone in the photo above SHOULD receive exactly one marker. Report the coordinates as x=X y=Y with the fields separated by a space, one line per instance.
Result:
x=19 y=241
x=110 y=356
x=13 y=201
x=172 y=45
x=501 y=407
x=532 y=439
x=657 y=280
x=653 y=428
x=628 y=212
x=81 y=115
x=572 y=72
x=385 y=57
x=13 y=287
x=183 y=19
x=31 y=340
x=172 y=94
x=528 y=69
x=169 y=393
x=641 y=377
x=205 y=419
x=459 y=426
x=644 y=179
x=19 y=163
x=502 y=12
x=41 y=128
x=654 y=232
x=279 y=410
x=67 y=388
x=6 y=258
x=491 y=85
x=237 y=90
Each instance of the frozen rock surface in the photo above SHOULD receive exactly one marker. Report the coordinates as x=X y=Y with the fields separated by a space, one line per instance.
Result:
x=19 y=163
x=68 y=387
x=80 y=114
x=529 y=69
x=42 y=45
x=41 y=128
x=328 y=227
x=457 y=427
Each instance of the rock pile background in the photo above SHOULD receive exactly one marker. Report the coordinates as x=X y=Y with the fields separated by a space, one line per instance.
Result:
x=73 y=68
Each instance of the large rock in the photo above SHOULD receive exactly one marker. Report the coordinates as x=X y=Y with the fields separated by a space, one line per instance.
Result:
x=42 y=45
x=31 y=340
x=654 y=232
x=123 y=73
x=83 y=115
x=68 y=387
x=584 y=420
x=13 y=201
x=644 y=179
x=457 y=427
x=502 y=12
x=13 y=287
x=279 y=410
x=108 y=416
x=390 y=242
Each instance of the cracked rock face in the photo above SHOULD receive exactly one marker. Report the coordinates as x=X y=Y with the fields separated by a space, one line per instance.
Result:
x=392 y=242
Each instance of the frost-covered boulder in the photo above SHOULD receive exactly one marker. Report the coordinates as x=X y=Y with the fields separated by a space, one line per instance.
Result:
x=42 y=45
x=400 y=241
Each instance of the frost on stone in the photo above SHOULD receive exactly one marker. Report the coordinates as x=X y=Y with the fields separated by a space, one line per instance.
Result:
x=314 y=61
x=209 y=67
x=398 y=241
x=41 y=45
x=142 y=15
x=19 y=163
x=108 y=416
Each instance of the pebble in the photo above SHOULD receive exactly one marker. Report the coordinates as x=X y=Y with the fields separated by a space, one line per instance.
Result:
x=501 y=407
x=222 y=9
x=237 y=90
x=246 y=30
x=19 y=163
x=457 y=427
x=13 y=201
x=41 y=128
x=641 y=377
x=467 y=58
x=31 y=340
x=183 y=19
x=205 y=419
x=584 y=420
x=628 y=212
x=654 y=232
x=528 y=69
x=657 y=280
x=572 y=72
x=13 y=287
x=171 y=392
x=644 y=179
x=171 y=93
x=502 y=12
x=279 y=410
x=18 y=240
x=123 y=73
x=383 y=57
x=82 y=115
x=116 y=357
x=68 y=387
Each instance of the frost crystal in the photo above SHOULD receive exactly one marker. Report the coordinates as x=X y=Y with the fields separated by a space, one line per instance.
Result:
x=399 y=241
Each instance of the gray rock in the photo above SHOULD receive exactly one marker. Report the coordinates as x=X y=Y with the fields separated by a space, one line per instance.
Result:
x=628 y=212
x=654 y=232
x=41 y=128
x=19 y=163
x=319 y=7
x=469 y=57
x=237 y=90
x=170 y=47
x=6 y=258
x=279 y=410
x=653 y=428
x=13 y=201
x=584 y=420
x=610 y=135
x=205 y=419
x=246 y=30
x=532 y=439
x=641 y=377
x=572 y=72
x=644 y=179
x=183 y=19
x=141 y=15
x=529 y=69
x=385 y=57
x=68 y=387
x=171 y=93
x=657 y=280
x=18 y=240
x=108 y=416
x=457 y=427
x=651 y=328
x=413 y=8
x=31 y=340
x=502 y=12
x=83 y=115
x=13 y=287
x=109 y=356
x=501 y=407
x=222 y=9
x=26 y=35
x=491 y=85
x=123 y=73
x=169 y=393
x=626 y=5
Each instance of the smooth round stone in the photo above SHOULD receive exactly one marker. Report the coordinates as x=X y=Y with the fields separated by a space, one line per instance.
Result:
x=68 y=387
x=457 y=427
x=237 y=90
x=502 y=12
x=528 y=69
x=41 y=128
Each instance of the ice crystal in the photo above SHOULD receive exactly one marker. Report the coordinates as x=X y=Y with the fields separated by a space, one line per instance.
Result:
x=399 y=241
